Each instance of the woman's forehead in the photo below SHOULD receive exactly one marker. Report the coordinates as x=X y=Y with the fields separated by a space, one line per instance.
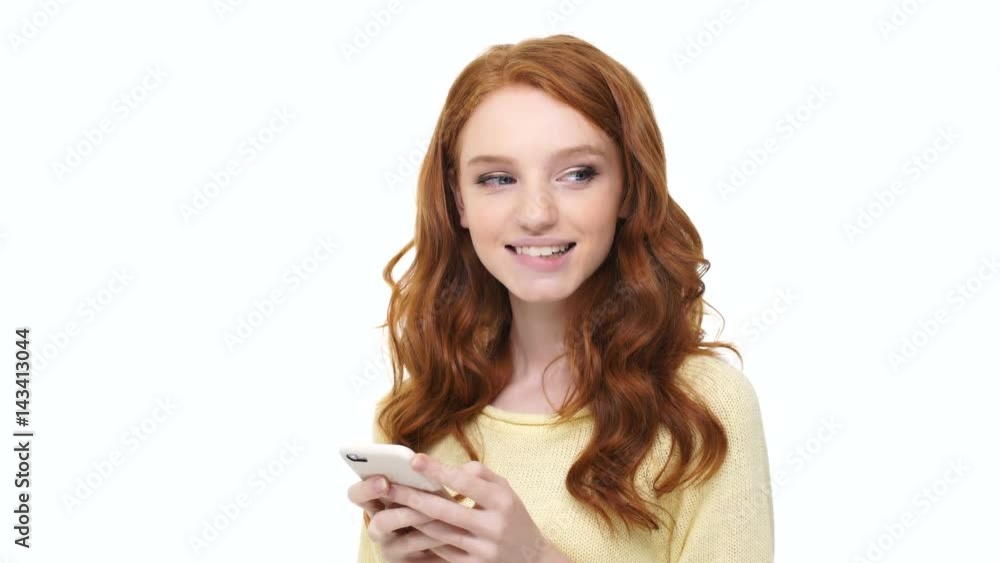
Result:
x=527 y=124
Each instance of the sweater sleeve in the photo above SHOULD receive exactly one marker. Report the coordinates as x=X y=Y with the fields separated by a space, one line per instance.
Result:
x=369 y=551
x=729 y=518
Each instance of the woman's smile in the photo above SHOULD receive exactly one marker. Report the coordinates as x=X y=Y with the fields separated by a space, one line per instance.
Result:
x=542 y=262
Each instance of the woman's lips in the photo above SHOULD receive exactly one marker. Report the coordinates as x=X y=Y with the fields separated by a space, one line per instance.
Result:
x=541 y=263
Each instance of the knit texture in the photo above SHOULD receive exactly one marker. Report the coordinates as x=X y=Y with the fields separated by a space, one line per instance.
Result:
x=728 y=518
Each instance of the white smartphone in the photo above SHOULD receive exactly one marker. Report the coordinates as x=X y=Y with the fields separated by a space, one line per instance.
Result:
x=391 y=461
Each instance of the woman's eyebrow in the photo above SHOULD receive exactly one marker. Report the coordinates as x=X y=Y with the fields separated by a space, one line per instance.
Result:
x=577 y=150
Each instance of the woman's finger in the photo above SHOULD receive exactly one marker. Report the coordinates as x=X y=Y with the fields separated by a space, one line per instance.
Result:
x=367 y=494
x=389 y=523
x=412 y=546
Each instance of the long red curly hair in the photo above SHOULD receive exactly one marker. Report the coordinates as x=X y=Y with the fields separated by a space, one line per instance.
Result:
x=630 y=325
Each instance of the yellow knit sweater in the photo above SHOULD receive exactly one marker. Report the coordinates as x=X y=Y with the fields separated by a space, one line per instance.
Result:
x=727 y=519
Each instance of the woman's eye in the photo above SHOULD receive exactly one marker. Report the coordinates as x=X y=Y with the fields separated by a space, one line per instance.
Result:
x=582 y=176
x=489 y=180
x=586 y=174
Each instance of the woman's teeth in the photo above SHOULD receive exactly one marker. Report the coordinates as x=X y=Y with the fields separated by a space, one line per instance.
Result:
x=543 y=250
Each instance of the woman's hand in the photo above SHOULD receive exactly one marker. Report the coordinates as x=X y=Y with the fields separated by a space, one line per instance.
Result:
x=497 y=529
x=386 y=528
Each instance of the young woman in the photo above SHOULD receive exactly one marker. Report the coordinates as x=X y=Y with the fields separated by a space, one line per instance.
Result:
x=558 y=383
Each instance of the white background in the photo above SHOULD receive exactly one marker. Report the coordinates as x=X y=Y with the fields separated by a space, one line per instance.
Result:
x=311 y=371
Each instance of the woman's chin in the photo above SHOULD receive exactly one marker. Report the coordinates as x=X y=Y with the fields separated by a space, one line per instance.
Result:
x=538 y=295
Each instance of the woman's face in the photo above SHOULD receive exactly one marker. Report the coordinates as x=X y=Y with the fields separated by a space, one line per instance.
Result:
x=534 y=173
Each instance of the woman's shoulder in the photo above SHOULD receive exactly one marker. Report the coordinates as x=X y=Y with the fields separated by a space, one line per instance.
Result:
x=723 y=387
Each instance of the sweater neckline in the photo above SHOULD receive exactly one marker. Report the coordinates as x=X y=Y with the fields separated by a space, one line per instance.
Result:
x=529 y=418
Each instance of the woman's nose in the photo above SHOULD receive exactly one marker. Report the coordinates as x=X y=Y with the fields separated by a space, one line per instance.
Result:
x=537 y=207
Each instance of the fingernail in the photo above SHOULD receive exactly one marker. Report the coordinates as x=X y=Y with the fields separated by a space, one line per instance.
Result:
x=380 y=484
